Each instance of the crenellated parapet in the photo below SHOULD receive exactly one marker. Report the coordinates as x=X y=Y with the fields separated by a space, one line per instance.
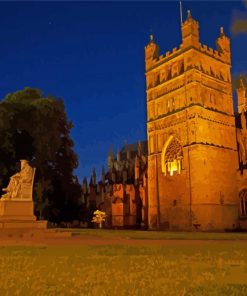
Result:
x=190 y=40
x=161 y=59
x=218 y=55
x=170 y=55
x=210 y=51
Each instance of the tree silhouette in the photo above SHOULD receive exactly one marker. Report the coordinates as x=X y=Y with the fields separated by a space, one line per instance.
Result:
x=37 y=129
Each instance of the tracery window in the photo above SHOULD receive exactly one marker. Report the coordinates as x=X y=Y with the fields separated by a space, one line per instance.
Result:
x=243 y=203
x=172 y=155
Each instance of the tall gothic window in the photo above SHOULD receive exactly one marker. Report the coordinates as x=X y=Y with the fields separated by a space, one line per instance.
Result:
x=172 y=155
x=243 y=203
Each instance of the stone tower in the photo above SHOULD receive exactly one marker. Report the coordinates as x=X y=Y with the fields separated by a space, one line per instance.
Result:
x=192 y=150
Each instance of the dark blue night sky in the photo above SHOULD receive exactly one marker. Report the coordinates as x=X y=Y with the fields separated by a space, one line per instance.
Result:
x=92 y=55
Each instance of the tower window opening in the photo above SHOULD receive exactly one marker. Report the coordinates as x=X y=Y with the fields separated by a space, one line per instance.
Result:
x=172 y=156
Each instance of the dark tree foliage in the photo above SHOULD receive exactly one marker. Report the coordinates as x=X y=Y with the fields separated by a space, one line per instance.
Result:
x=37 y=129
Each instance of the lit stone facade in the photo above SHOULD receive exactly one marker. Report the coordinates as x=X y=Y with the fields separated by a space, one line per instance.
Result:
x=241 y=123
x=193 y=166
x=193 y=176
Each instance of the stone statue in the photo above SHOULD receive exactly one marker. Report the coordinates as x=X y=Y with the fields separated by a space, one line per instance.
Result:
x=21 y=184
x=17 y=206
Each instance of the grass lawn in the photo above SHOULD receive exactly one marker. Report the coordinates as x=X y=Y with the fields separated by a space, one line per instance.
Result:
x=180 y=268
x=158 y=235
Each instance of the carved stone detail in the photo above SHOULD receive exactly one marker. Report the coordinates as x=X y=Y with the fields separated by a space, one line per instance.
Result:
x=20 y=186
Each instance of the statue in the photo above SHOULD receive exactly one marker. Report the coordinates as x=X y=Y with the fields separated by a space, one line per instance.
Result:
x=20 y=184
x=17 y=206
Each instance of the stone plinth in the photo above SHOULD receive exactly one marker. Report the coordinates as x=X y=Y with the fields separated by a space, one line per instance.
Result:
x=16 y=210
x=19 y=215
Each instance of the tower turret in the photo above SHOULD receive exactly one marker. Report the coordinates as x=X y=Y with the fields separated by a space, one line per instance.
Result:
x=151 y=51
x=94 y=177
x=110 y=158
x=190 y=32
x=118 y=156
x=241 y=97
x=223 y=45
x=84 y=185
x=103 y=175
x=128 y=154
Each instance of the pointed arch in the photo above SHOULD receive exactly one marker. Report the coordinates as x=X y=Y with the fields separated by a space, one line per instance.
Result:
x=171 y=156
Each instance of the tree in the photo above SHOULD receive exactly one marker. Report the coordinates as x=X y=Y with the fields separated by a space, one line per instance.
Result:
x=99 y=217
x=36 y=128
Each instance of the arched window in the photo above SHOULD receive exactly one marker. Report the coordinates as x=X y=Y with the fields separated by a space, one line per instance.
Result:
x=243 y=203
x=171 y=157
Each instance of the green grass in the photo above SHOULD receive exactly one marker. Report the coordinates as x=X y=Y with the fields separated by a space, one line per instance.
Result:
x=172 y=269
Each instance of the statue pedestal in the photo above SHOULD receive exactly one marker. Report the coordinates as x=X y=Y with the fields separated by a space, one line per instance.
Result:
x=16 y=210
x=18 y=214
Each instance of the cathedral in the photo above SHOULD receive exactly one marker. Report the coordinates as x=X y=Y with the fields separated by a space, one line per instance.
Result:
x=192 y=172
x=122 y=191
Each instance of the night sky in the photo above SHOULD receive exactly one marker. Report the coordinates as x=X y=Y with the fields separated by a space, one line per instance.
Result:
x=91 y=54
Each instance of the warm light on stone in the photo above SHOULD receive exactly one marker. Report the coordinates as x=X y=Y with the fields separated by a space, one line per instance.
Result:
x=191 y=131
x=193 y=175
